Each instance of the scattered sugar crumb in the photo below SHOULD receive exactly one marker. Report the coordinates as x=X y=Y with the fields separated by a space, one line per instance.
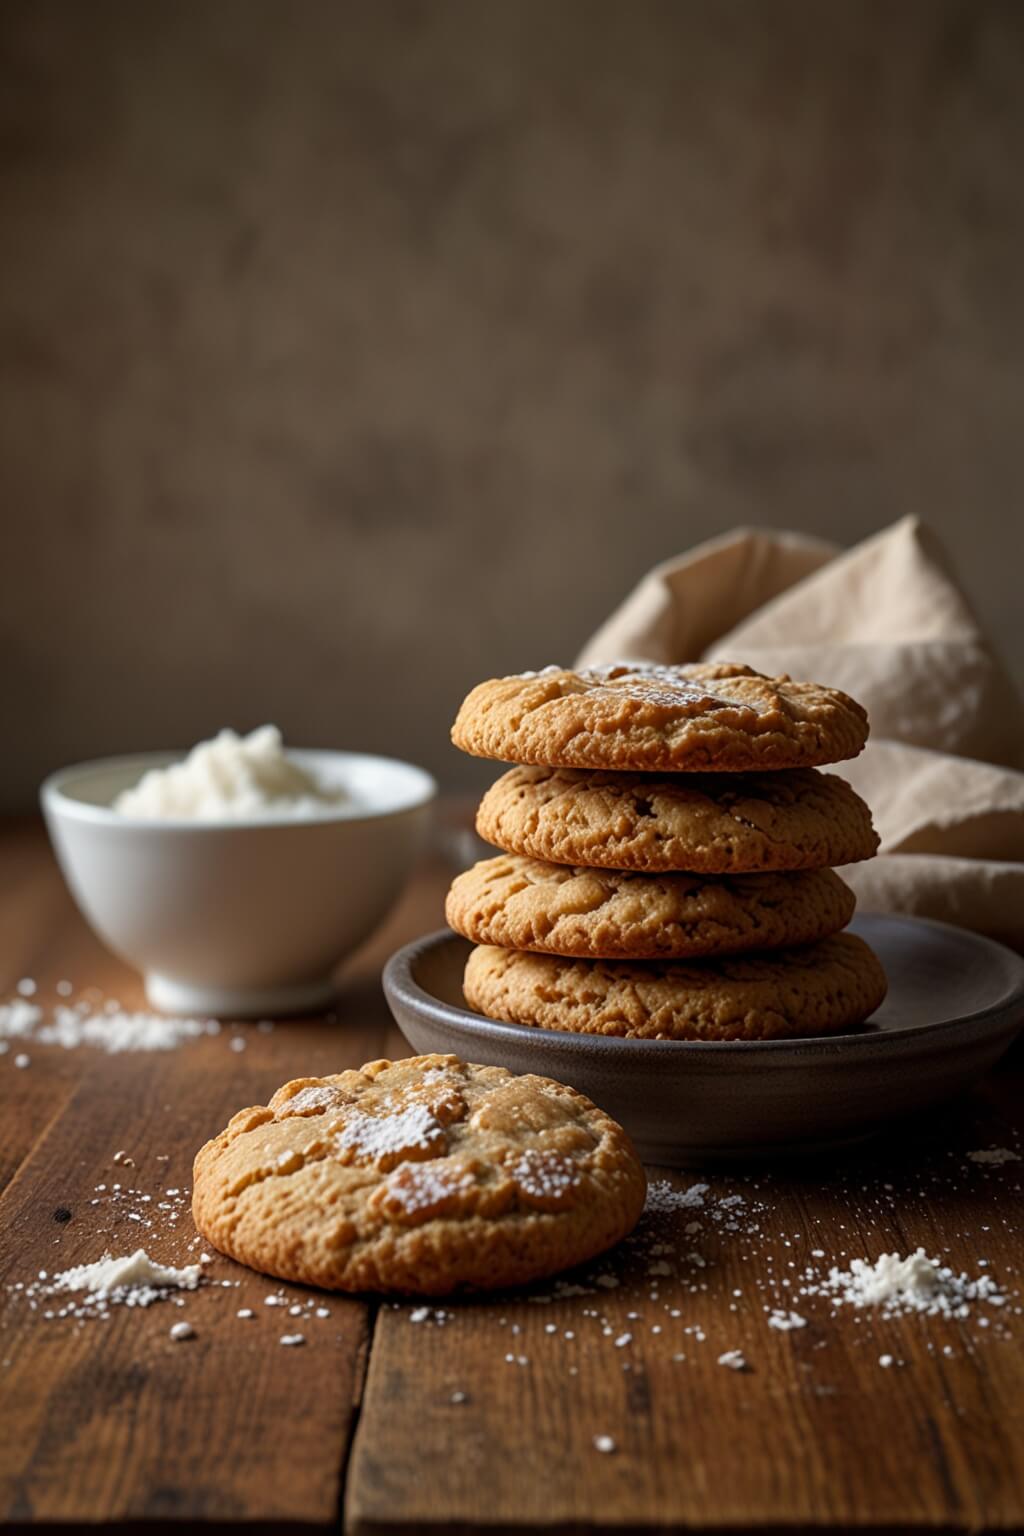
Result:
x=605 y=1444
x=134 y=1272
x=180 y=1331
x=784 y=1321
x=292 y=1339
x=734 y=1359
x=664 y=1199
x=103 y=1025
x=916 y=1283
x=133 y=1280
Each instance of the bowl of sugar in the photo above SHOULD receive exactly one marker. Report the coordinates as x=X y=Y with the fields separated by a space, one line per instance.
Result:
x=236 y=878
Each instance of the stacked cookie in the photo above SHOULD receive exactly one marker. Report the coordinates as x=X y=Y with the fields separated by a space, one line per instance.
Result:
x=668 y=851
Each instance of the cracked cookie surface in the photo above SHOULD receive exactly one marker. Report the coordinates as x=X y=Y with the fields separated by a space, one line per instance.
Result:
x=420 y=1177
x=521 y=903
x=819 y=989
x=714 y=717
x=704 y=823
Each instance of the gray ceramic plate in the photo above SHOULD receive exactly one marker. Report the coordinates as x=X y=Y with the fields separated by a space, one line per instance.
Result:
x=955 y=1003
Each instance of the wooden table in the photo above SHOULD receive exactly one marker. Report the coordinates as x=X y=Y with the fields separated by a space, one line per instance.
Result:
x=487 y=1417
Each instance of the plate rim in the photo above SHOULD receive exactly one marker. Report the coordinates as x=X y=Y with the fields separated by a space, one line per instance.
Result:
x=399 y=982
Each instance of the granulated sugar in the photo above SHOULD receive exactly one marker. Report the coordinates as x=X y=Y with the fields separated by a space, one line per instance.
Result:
x=109 y=1029
x=912 y=1284
x=663 y=1199
x=785 y=1322
x=105 y=1026
x=19 y=1018
x=133 y=1280
x=995 y=1156
x=136 y=1279
x=121 y=1031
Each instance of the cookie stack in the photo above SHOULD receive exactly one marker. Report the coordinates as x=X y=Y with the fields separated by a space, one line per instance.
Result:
x=668 y=851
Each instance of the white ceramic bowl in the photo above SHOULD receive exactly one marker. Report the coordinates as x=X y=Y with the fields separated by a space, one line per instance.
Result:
x=239 y=918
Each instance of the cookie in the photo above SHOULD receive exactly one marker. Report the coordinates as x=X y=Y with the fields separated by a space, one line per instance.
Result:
x=600 y=914
x=719 y=717
x=422 y=1177
x=708 y=823
x=818 y=989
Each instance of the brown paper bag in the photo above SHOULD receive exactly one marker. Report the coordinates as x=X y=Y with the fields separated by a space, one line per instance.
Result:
x=887 y=622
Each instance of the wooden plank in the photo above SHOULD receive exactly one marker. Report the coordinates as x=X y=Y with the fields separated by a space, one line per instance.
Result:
x=817 y=1434
x=35 y=911
x=114 y=1420
x=111 y=1420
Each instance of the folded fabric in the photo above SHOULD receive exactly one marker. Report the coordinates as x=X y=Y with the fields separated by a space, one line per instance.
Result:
x=887 y=622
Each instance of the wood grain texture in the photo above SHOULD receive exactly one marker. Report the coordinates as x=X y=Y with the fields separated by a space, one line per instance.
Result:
x=110 y=1421
x=115 y=1418
x=815 y=1434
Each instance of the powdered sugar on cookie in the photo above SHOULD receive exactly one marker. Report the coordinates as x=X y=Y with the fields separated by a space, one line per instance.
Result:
x=385 y=1138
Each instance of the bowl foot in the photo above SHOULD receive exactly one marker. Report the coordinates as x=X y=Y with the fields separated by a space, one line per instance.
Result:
x=171 y=996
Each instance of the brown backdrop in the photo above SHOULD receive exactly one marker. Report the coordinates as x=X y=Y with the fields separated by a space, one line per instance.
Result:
x=351 y=352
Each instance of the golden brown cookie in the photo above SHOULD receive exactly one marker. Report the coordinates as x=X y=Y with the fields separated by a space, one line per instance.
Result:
x=423 y=1176
x=819 y=989
x=601 y=914
x=707 y=823
x=718 y=717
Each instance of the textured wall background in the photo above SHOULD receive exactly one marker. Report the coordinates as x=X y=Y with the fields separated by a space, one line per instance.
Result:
x=350 y=352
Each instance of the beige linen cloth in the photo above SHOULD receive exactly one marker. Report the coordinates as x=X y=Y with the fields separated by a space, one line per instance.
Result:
x=886 y=622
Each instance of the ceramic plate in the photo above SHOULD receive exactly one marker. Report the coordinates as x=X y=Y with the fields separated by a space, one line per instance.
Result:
x=955 y=1002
